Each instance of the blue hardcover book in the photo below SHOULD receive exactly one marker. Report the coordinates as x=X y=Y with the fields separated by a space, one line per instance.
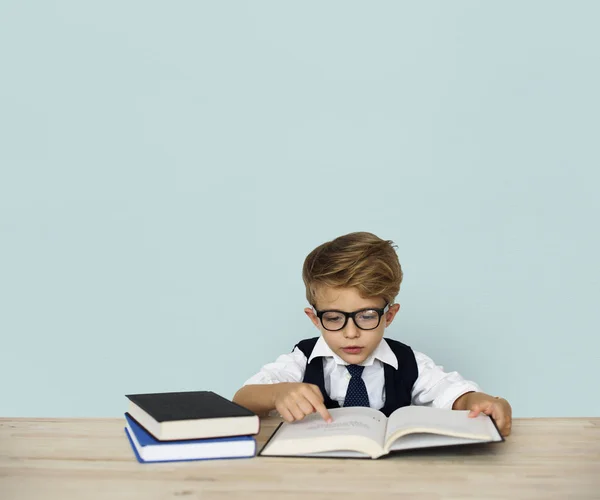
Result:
x=149 y=449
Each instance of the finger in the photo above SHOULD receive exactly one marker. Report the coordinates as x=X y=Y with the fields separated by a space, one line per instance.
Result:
x=318 y=402
x=502 y=419
x=475 y=410
x=497 y=412
x=486 y=407
x=296 y=411
x=489 y=410
x=506 y=405
x=507 y=427
x=481 y=407
x=305 y=405
x=320 y=407
x=285 y=414
x=501 y=424
x=315 y=389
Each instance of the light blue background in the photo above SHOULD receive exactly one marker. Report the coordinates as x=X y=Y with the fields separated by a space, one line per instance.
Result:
x=166 y=167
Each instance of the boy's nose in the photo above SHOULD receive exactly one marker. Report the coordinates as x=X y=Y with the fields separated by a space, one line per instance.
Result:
x=351 y=330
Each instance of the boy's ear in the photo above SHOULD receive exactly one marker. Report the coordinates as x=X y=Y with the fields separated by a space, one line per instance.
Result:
x=391 y=314
x=313 y=317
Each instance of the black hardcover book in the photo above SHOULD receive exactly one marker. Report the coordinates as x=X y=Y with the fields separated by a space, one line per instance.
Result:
x=191 y=415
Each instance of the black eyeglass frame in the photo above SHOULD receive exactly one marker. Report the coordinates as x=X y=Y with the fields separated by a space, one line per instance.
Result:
x=348 y=315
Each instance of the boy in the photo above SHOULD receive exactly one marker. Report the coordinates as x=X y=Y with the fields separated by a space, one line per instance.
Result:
x=351 y=283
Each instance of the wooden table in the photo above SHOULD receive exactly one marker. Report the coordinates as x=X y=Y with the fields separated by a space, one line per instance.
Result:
x=87 y=459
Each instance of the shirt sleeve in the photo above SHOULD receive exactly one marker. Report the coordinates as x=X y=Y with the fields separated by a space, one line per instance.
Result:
x=286 y=368
x=434 y=387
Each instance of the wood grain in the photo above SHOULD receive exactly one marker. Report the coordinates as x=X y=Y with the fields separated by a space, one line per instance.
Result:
x=63 y=459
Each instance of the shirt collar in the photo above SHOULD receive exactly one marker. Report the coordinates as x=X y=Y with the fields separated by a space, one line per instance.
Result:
x=382 y=352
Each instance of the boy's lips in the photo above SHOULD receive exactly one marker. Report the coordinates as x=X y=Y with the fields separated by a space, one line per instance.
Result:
x=353 y=349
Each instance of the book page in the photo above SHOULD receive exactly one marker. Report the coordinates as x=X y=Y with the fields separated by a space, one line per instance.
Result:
x=422 y=419
x=348 y=431
x=427 y=440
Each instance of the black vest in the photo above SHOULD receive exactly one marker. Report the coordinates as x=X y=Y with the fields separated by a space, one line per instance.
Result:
x=398 y=383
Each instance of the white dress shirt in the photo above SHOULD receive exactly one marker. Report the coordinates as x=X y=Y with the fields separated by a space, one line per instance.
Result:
x=433 y=386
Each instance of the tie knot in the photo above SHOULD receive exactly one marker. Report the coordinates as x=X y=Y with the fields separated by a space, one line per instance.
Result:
x=355 y=370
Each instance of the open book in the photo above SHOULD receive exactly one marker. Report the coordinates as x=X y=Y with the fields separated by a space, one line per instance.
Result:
x=364 y=432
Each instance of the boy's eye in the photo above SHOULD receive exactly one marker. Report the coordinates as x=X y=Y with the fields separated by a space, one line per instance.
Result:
x=333 y=317
x=368 y=315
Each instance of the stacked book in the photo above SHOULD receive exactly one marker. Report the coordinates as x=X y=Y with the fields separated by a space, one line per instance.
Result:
x=200 y=425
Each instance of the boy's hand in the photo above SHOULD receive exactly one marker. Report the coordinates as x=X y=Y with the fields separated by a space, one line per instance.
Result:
x=294 y=401
x=498 y=408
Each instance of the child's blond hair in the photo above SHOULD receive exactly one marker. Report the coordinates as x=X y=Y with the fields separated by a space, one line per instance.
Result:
x=357 y=260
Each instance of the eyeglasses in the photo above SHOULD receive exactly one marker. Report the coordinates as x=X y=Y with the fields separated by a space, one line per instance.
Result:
x=365 y=319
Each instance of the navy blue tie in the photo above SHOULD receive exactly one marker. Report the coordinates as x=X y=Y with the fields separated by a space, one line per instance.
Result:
x=357 y=390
